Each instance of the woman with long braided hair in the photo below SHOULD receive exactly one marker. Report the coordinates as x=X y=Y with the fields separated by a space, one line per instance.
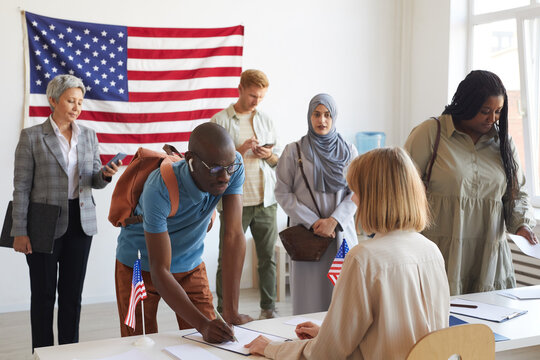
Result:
x=476 y=189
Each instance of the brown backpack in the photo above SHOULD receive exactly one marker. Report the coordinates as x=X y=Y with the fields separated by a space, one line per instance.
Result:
x=130 y=185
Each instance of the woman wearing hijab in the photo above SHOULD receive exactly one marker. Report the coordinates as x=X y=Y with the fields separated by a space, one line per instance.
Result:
x=325 y=155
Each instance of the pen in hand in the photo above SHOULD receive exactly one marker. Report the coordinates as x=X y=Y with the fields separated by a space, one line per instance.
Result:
x=465 y=306
x=218 y=315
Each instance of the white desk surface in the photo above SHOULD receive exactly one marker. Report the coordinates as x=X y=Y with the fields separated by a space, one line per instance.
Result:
x=98 y=349
x=523 y=331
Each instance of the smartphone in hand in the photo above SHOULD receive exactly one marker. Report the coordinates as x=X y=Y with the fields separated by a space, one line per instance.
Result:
x=268 y=145
x=116 y=159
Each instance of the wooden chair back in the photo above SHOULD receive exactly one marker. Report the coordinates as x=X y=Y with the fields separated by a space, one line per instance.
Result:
x=465 y=342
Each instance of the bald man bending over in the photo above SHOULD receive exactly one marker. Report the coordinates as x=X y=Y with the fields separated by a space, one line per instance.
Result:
x=171 y=248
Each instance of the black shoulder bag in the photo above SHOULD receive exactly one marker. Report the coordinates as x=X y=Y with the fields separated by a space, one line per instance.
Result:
x=302 y=244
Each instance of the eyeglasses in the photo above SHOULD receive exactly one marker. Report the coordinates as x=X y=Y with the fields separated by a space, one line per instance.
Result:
x=214 y=170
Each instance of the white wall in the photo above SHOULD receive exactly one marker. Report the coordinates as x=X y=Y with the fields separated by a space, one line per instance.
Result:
x=344 y=47
x=426 y=61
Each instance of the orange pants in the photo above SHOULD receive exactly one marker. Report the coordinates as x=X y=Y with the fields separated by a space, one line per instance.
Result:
x=194 y=283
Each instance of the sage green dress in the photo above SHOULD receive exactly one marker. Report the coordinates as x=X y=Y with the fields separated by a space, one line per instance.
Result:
x=466 y=196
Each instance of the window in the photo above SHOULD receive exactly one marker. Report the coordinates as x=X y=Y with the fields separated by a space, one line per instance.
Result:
x=505 y=39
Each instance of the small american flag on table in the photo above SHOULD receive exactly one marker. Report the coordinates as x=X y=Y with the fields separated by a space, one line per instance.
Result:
x=335 y=268
x=138 y=292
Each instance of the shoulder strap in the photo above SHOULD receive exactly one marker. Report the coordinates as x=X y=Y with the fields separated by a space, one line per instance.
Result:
x=171 y=183
x=434 y=153
x=301 y=165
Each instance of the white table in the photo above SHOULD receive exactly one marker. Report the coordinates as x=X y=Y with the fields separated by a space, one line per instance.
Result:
x=92 y=350
x=523 y=331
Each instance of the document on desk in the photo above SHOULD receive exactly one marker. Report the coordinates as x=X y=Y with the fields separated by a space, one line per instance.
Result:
x=244 y=336
x=525 y=246
x=522 y=293
x=190 y=352
x=300 y=319
x=485 y=311
x=129 y=355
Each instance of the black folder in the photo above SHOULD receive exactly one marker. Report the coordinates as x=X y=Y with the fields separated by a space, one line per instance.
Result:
x=41 y=222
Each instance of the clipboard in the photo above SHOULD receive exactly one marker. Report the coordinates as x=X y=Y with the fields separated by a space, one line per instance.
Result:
x=244 y=335
x=457 y=321
x=41 y=223
x=485 y=311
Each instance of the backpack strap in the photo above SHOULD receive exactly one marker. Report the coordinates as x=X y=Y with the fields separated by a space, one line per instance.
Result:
x=171 y=183
x=433 y=154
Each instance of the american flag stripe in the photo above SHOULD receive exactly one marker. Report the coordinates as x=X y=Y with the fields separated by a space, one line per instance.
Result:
x=337 y=264
x=182 y=95
x=180 y=64
x=185 y=32
x=183 y=74
x=138 y=293
x=178 y=43
x=157 y=107
x=132 y=118
x=145 y=86
x=183 y=53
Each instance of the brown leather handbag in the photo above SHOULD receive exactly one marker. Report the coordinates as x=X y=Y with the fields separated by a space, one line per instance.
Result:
x=300 y=243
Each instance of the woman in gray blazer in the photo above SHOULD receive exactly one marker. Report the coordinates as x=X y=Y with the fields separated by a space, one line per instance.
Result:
x=57 y=162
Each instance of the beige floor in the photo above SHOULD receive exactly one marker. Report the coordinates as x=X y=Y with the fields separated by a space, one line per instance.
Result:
x=100 y=321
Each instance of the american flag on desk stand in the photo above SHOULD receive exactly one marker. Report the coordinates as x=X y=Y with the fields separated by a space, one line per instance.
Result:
x=145 y=86
x=337 y=264
x=138 y=293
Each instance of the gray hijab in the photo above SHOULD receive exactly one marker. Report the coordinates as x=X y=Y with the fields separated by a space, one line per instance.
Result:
x=329 y=153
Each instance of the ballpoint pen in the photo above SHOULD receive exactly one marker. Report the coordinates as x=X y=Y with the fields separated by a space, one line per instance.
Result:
x=465 y=306
x=513 y=315
x=218 y=315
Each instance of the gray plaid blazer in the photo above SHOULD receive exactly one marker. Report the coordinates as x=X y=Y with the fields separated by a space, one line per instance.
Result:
x=41 y=176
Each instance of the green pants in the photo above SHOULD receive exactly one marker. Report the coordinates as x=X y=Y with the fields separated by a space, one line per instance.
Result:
x=262 y=223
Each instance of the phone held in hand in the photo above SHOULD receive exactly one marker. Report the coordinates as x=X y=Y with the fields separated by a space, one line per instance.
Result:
x=269 y=145
x=116 y=159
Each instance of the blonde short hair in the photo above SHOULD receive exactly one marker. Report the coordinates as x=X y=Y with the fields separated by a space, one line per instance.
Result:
x=390 y=192
x=253 y=77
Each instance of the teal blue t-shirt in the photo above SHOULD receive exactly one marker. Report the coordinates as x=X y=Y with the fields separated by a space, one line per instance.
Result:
x=187 y=229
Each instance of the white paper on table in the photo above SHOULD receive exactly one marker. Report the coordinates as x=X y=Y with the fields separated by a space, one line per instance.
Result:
x=525 y=246
x=300 y=319
x=190 y=352
x=485 y=311
x=523 y=293
x=244 y=336
x=130 y=355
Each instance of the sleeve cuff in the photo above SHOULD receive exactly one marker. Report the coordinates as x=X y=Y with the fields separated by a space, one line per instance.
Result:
x=271 y=350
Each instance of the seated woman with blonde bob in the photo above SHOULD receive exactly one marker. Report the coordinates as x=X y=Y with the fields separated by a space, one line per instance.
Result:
x=393 y=288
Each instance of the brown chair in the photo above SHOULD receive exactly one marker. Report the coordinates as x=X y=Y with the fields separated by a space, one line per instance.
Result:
x=465 y=342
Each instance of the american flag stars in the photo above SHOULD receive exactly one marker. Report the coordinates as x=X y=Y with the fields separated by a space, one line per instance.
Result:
x=92 y=52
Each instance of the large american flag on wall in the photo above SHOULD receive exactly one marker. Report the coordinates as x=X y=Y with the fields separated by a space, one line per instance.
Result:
x=145 y=86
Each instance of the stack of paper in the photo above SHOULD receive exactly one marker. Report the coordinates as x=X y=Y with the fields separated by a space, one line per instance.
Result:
x=524 y=293
x=190 y=352
x=484 y=311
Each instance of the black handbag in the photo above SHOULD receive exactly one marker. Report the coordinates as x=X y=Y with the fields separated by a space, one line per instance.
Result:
x=300 y=243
